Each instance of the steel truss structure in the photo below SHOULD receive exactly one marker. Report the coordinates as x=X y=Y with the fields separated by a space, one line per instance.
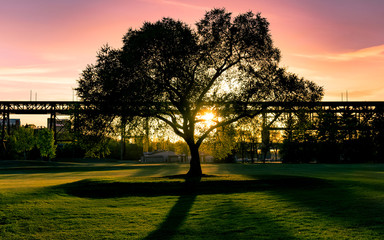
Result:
x=362 y=112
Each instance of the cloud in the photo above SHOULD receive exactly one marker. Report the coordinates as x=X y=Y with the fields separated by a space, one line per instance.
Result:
x=180 y=4
x=311 y=74
x=57 y=57
x=37 y=74
x=20 y=90
x=375 y=51
x=38 y=80
x=355 y=95
x=25 y=70
x=50 y=82
x=337 y=84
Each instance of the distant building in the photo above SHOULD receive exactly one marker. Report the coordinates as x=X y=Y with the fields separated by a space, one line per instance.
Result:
x=160 y=156
x=61 y=124
x=62 y=129
x=12 y=122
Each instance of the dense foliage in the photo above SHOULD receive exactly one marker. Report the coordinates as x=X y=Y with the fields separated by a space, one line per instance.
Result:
x=22 y=140
x=334 y=138
x=170 y=71
x=45 y=142
x=29 y=141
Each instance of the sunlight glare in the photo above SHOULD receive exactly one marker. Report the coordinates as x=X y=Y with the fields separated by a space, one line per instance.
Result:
x=208 y=116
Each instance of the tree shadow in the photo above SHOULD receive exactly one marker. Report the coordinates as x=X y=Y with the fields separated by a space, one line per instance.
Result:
x=335 y=201
x=343 y=204
x=260 y=223
x=174 y=219
x=65 y=167
x=61 y=169
x=94 y=188
x=243 y=222
x=186 y=188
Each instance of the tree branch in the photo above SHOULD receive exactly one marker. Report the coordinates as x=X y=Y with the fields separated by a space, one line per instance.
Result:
x=224 y=123
x=172 y=125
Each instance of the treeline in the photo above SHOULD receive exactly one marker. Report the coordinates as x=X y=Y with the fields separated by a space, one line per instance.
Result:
x=39 y=144
x=327 y=138
x=29 y=143
x=334 y=138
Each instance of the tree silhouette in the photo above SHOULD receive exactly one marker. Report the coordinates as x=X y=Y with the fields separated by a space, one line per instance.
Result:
x=170 y=71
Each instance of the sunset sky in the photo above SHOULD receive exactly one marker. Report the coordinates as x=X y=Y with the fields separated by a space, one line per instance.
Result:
x=45 y=44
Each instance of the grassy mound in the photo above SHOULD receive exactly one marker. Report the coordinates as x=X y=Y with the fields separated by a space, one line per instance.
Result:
x=173 y=186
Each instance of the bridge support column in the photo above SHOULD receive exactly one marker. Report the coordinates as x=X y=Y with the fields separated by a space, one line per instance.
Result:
x=265 y=138
x=6 y=125
x=3 y=128
x=122 y=143
x=146 y=145
x=52 y=125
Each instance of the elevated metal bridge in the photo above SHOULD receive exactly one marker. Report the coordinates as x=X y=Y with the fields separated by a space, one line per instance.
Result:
x=69 y=107
x=360 y=110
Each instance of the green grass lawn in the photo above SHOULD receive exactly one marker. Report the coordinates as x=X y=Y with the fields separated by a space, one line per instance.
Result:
x=147 y=201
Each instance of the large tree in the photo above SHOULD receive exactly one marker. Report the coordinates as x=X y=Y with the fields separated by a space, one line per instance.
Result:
x=175 y=73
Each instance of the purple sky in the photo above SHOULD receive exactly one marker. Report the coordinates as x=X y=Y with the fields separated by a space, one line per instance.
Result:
x=45 y=44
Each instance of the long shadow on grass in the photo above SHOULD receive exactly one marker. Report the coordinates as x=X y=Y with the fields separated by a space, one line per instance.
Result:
x=353 y=206
x=66 y=168
x=175 y=218
x=338 y=202
x=92 y=188
x=187 y=192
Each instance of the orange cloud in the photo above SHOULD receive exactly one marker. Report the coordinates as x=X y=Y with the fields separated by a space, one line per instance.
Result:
x=24 y=70
x=355 y=95
x=375 y=51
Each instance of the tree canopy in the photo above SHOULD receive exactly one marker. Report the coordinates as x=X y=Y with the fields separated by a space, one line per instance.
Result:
x=45 y=142
x=23 y=140
x=176 y=72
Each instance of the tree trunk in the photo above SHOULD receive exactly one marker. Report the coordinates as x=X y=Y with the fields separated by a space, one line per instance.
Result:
x=122 y=148
x=252 y=151
x=265 y=145
x=122 y=142
x=195 y=167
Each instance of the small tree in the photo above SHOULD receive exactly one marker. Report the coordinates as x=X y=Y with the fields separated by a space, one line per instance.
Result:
x=23 y=140
x=45 y=142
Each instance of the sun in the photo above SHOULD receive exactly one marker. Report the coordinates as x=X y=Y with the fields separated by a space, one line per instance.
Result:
x=207 y=118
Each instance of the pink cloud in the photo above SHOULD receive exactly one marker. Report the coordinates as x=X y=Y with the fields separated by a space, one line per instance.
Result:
x=370 y=52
